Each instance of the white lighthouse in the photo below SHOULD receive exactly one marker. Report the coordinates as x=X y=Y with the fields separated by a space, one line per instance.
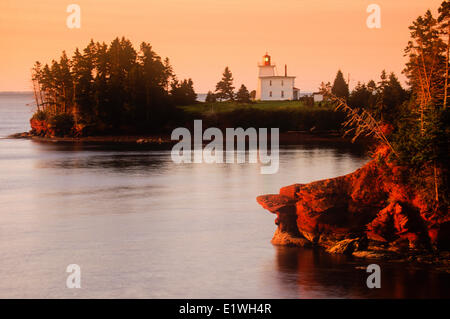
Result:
x=273 y=87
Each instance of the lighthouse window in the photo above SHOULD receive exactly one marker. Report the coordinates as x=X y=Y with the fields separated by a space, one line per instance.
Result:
x=270 y=82
x=270 y=93
x=282 y=82
x=282 y=93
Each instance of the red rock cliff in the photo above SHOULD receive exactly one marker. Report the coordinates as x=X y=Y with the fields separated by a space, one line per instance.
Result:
x=357 y=213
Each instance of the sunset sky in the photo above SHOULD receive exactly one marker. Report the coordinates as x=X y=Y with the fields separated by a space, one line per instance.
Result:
x=201 y=37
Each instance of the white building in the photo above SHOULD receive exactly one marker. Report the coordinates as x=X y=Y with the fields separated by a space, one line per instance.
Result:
x=318 y=97
x=272 y=87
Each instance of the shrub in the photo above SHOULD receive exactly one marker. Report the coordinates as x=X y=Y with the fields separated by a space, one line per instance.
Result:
x=40 y=116
x=62 y=124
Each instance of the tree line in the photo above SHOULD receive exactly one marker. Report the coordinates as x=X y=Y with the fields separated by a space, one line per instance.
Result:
x=225 y=91
x=413 y=123
x=110 y=88
x=381 y=98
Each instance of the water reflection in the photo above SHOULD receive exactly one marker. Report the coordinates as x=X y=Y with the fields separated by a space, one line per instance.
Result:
x=116 y=162
x=320 y=275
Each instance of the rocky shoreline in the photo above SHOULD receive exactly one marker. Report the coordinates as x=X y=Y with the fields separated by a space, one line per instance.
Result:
x=368 y=214
x=42 y=131
x=285 y=138
x=103 y=139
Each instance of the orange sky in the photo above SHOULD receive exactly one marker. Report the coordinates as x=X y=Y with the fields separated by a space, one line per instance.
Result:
x=201 y=37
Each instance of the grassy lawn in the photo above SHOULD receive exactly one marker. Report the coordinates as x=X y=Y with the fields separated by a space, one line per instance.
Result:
x=224 y=107
x=286 y=115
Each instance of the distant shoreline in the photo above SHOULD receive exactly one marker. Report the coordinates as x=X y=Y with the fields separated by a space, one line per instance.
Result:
x=16 y=92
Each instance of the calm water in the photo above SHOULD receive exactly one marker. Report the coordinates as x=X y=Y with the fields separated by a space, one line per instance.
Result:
x=142 y=226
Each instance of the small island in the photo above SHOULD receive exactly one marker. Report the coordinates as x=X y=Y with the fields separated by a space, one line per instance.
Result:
x=107 y=90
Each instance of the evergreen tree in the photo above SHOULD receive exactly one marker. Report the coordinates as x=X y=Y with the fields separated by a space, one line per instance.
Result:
x=183 y=92
x=390 y=96
x=422 y=130
x=340 y=87
x=191 y=96
x=225 y=88
x=360 y=96
x=155 y=76
x=82 y=66
x=372 y=87
x=98 y=55
x=243 y=96
x=122 y=58
x=395 y=94
x=210 y=97
x=425 y=68
x=66 y=82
